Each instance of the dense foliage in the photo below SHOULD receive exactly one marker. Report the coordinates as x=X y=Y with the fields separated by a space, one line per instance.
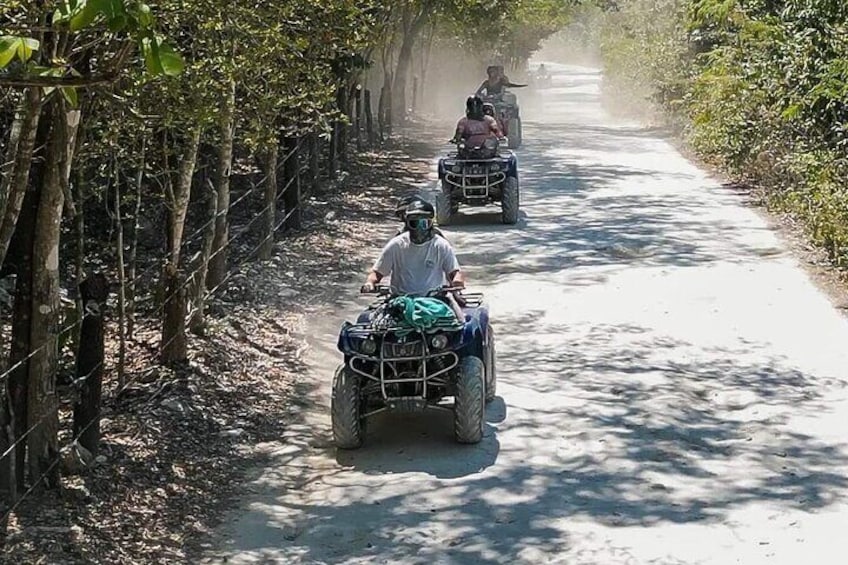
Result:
x=761 y=87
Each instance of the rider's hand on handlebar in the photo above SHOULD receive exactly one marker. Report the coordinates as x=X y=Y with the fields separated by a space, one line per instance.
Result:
x=367 y=288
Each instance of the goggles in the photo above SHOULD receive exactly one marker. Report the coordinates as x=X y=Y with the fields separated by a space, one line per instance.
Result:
x=419 y=223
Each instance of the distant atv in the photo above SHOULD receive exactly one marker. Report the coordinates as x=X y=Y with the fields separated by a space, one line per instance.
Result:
x=478 y=176
x=542 y=81
x=508 y=115
x=390 y=366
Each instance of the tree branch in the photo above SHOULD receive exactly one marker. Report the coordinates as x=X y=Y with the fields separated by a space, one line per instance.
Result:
x=83 y=81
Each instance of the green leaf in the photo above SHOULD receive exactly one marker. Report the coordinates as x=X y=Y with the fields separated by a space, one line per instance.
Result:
x=170 y=61
x=8 y=48
x=70 y=94
x=791 y=112
x=25 y=48
x=118 y=23
x=150 y=50
x=144 y=15
x=84 y=17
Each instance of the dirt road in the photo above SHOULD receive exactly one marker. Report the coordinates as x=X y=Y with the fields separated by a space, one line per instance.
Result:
x=672 y=386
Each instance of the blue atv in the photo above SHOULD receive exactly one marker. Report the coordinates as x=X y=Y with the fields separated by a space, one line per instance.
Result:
x=478 y=176
x=390 y=365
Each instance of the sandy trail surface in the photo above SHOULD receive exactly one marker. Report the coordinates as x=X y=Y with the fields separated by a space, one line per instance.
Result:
x=672 y=385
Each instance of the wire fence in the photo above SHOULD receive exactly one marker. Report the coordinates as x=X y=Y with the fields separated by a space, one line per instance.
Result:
x=50 y=411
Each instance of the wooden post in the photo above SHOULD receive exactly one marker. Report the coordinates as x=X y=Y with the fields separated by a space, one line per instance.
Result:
x=174 y=342
x=270 y=183
x=369 y=118
x=332 y=159
x=291 y=192
x=90 y=358
x=358 y=117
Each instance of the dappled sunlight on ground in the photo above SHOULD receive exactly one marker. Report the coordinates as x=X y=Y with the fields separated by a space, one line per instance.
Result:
x=671 y=385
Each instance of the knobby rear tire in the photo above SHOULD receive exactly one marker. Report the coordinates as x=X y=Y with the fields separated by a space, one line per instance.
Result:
x=510 y=201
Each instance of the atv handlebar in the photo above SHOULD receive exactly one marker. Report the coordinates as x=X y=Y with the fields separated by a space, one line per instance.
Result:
x=384 y=290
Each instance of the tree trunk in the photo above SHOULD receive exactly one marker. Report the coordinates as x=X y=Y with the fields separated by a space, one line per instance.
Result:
x=174 y=346
x=218 y=261
x=269 y=164
x=412 y=29
x=291 y=190
x=21 y=251
x=90 y=359
x=20 y=153
x=42 y=409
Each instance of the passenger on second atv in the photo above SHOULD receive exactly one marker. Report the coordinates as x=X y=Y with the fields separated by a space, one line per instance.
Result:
x=476 y=127
x=417 y=261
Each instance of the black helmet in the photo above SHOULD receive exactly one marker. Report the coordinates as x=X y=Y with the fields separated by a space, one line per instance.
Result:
x=403 y=203
x=418 y=218
x=474 y=107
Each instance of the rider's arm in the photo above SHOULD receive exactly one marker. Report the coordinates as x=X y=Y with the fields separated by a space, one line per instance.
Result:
x=450 y=264
x=381 y=268
x=457 y=278
x=460 y=129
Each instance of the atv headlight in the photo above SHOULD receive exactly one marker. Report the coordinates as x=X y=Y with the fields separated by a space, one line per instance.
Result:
x=456 y=169
x=495 y=167
x=368 y=346
x=439 y=341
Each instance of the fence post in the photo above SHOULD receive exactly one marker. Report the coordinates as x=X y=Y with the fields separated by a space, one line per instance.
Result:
x=358 y=117
x=90 y=358
x=369 y=118
x=174 y=347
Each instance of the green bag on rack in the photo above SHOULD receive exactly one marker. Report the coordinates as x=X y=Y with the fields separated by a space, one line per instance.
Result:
x=424 y=313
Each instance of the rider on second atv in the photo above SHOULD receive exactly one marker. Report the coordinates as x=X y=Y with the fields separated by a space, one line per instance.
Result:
x=476 y=127
x=417 y=261
x=497 y=81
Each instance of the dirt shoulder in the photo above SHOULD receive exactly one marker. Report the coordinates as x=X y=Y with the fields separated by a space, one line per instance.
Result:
x=177 y=445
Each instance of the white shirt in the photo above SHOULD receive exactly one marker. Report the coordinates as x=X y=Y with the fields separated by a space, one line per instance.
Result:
x=416 y=268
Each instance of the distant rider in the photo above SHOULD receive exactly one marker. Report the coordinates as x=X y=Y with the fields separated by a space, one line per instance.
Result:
x=476 y=127
x=497 y=81
x=416 y=260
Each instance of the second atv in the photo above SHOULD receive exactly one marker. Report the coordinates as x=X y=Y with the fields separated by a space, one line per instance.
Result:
x=478 y=176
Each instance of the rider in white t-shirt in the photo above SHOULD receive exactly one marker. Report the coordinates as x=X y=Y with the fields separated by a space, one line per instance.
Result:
x=416 y=261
